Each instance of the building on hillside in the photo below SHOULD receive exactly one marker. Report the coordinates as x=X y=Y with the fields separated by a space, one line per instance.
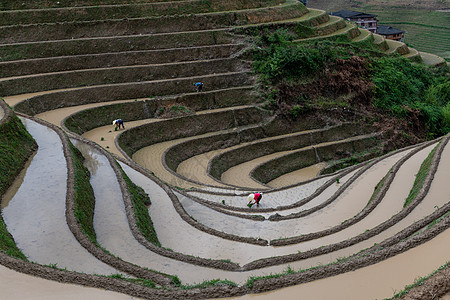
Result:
x=391 y=33
x=363 y=20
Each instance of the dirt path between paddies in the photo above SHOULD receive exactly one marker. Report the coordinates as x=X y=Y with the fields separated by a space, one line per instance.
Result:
x=391 y=204
x=15 y=285
x=151 y=157
x=378 y=281
x=197 y=166
x=2 y=113
x=13 y=100
x=56 y=116
x=35 y=216
x=240 y=174
x=297 y=176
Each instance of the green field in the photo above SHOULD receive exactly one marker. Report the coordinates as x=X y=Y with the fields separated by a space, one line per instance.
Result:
x=428 y=31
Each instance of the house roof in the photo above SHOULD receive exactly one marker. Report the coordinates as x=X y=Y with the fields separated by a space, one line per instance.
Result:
x=386 y=30
x=351 y=14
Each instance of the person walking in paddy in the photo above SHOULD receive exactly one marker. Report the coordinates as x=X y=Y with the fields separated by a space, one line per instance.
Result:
x=254 y=199
x=118 y=123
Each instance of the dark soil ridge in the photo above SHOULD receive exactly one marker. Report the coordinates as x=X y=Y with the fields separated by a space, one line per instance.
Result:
x=120 y=91
x=119 y=11
x=235 y=135
x=114 y=59
x=336 y=175
x=136 y=138
x=84 y=46
x=75 y=227
x=258 y=286
x=318 y=251
x=88 y=119
x=270 y=128
x=44 y=4
x=163 y=24
x=218 y=264
x=118 y=75
x=296 y=140
x=301 y=158
x=438 y=285
x=374 y=231
x=376 y=198
x=298 y=239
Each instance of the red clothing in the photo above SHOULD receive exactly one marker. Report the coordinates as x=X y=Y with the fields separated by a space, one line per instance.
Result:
x=258 y=197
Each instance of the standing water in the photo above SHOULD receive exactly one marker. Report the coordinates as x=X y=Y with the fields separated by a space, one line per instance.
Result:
x=35 y=216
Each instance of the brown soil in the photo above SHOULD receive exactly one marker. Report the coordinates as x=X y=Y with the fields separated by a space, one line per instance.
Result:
x=345 y=81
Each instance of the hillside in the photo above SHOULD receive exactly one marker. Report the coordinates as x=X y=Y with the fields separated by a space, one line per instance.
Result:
x=345 y=136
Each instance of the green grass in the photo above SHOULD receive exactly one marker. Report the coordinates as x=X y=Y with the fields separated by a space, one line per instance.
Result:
x=140 y=202
x=420 y=178
x=418 y=282
x=84 y=194
x=427 y=31
x=16 y=146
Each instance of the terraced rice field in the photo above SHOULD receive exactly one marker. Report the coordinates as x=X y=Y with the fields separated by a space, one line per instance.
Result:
x=362 y=225
x=427 y=31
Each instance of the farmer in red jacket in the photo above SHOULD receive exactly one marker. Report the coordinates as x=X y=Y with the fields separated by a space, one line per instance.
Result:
x=254 y=199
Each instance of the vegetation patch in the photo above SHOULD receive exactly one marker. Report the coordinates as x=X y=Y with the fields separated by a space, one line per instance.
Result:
x=407 y=101
x=16 y=146
x=140 y=201
x=420 y=178
x=84 y=194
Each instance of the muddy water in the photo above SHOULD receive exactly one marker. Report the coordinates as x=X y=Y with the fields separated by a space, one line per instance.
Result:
x=196 y=167
x=180 y=237
x=13 y=100
x=336 y=213
x=281 y=198
x=240 y=175
x=151 y=158
x=391 y=204
x=377 y=281
x=111 y=224
x=15 y=285
x=35 y=216
x=297 y=176
x=16 y=184
x=108 y=134
x=445 y=297
x=57 y=115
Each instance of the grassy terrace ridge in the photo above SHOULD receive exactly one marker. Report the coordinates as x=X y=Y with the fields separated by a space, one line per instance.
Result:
x=84 y=195
x=154 y=25
x=16 y=146
x=119 y=11
x=19 y=51
x=140 y=203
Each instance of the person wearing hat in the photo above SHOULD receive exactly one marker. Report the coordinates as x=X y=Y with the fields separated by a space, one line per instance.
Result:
x=118 y=123
x=254 y=199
